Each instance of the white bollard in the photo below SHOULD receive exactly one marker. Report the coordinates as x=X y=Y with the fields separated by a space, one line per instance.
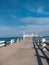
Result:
x=43 y=44
x=38 y=42
x=12 y=41
x=21 y=39
x=43 y=40
x=17 y=40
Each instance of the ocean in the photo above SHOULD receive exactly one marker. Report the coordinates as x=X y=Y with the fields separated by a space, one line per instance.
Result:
x=46 y=37
x=9 y=38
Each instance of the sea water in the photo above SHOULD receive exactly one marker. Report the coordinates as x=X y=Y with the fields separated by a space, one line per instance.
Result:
x=46 y=37
x=9 y=38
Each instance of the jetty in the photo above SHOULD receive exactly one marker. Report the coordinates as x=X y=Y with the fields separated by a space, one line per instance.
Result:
x=25 y=52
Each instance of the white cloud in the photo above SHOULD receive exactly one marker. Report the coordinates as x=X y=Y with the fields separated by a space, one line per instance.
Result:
x=30 y=8
x=42 y=20
x=13 y=16
x=40 y=10
x=15 y=31
x=36 y=28
x=11 y=31
x=27 y=19
x=37 y=9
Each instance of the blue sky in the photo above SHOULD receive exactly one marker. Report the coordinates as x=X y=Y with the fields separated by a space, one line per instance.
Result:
x=30 y=16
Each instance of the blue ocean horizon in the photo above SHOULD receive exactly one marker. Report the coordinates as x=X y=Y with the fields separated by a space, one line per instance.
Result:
x=46 y=37
x=9 y=38
x=6 y=39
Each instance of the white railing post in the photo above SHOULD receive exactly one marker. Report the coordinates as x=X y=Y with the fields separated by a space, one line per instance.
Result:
x=43 y=43
x=17 y=40
x=12 y=41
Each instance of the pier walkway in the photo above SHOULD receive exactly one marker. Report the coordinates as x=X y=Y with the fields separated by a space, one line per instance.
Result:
x=23 y=53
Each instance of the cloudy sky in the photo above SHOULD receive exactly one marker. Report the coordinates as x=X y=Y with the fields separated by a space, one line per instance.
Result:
x=30 y=16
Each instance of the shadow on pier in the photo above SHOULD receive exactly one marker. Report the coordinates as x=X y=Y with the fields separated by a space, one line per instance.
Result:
x=47 y=47
x=43 y=56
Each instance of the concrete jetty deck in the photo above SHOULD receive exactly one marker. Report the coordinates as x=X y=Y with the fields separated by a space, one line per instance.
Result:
x=23 y=53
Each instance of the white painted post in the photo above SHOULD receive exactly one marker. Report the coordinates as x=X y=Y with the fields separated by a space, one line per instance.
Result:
x=21 y=39
x=17 y=40
x=38 y=42
x=12 y=41
x=43 y=44
x=23 y=35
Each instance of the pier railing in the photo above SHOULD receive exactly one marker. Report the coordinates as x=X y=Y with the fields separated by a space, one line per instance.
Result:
x=39 y=52
x=9 y=42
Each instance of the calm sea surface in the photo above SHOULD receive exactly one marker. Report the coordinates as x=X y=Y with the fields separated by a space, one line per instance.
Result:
x=9 y=38
x=46 y=37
